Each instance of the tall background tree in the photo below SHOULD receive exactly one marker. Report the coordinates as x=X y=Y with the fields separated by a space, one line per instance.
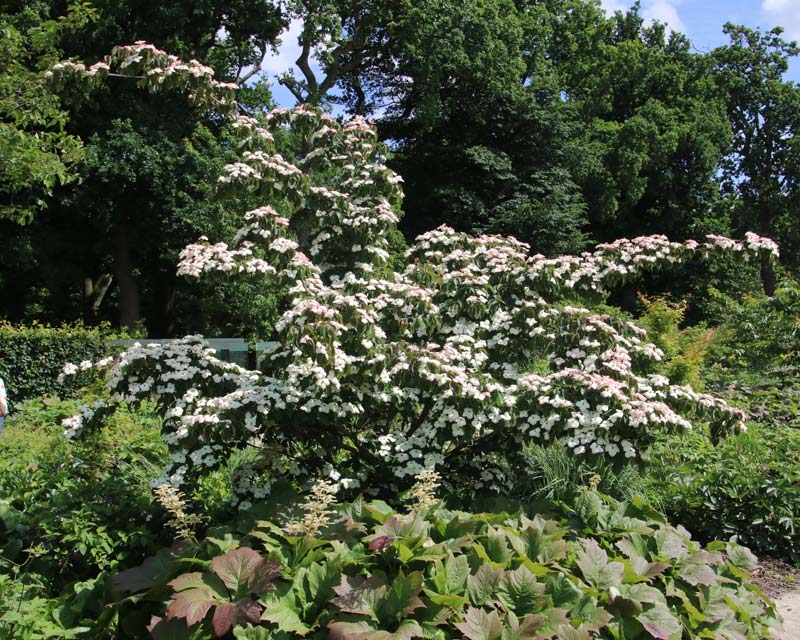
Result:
x=761 y=170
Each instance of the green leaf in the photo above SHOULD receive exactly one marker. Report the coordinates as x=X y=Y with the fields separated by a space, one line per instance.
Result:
x=496 y=546
x=564 y=592
x=520 y=592
x=526 y=630
x=742 y=558
x=480 y=625
x=595 y=567
x=659 y=622
x=196 y=594
x=406 y=630
x=403 y=597
x=482 y=585
x=245 y=571
x=280 y=608
x=356 y=594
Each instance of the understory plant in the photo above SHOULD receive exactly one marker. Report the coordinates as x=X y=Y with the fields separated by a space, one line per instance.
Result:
x=364 y=571
x=452 y=360
x=746 y=487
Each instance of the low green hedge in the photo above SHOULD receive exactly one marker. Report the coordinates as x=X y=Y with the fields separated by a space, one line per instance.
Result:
x=31 y=358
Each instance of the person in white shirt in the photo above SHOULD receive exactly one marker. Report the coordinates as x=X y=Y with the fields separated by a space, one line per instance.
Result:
x=3 y=406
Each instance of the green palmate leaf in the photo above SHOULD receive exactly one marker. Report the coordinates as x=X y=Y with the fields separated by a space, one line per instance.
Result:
x=646 y=571
x=742 y=558
x=595 y=567
x=280 y=608
x=151 y=571
x=520 y=592
x=319 y=581
x=196 y=594
x=455 y=602
x=670 y=544
x=451 y=577
x=362 y=630
x=526 y=630
x=696 y=571
x=403 y=597
x=496 y=546
x=406 y=630
x=564 y=592
x=589 y=614
x=258 y=633
x=356 y=594
x=245 y=571
x=568 y=632
x=481 y=625
x=482 y=586
x=660 y=623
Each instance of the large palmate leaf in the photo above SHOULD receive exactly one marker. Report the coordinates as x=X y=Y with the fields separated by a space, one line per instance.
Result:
x=481 y=625
x=151 y=571
x=245 y=571
x=356 y=594
x=595 y=567
x=659 y=622
x=403 y=597
x=195 y=594
x=520 y=592
x=281 y=608
x=527 y=629
x=229 y=614
x=482 y=585
x=362 y=630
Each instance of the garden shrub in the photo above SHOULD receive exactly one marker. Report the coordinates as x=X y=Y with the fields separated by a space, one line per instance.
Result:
x=684 y=349
x=364 y=571
x=32 y=357
x=746 y=486
x=71 y=511
x=456 y=360
x=760 y=336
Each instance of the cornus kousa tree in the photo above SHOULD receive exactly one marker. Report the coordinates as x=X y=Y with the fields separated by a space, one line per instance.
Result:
x=450 y=357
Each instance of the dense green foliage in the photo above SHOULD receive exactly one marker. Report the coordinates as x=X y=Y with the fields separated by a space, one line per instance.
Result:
x=70 y=515
x=571 y=126
x=547 y=120
x=31 y=358
x=365 y=570
x=747 y=486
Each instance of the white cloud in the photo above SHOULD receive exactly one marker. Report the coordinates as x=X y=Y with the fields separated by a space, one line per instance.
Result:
x=662 y=10
x=784 y=13
x=289 y=50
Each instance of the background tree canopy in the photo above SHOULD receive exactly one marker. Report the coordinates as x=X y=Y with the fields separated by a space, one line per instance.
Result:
x=543 y=119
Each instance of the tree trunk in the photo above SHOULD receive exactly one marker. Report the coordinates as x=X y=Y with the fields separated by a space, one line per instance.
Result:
x=167 y=323
x=88 y=301
x=129 y=305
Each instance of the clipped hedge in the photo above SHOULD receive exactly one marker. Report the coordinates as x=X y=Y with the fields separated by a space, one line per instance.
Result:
x=31 y=358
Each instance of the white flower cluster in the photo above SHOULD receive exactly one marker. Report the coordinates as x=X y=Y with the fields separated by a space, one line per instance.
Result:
x=452 y=363
x=155 y=70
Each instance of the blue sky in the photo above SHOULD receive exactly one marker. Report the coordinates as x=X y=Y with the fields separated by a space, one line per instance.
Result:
x=701 y=20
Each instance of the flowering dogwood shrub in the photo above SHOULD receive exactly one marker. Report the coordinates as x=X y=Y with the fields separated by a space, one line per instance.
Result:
x=453 y=361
